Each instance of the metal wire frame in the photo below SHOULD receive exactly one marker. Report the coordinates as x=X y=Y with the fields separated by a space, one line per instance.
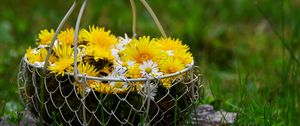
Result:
x=47 y=94
x=32 y=91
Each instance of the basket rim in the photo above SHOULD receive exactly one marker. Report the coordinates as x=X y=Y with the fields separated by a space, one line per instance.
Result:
x=86 y=77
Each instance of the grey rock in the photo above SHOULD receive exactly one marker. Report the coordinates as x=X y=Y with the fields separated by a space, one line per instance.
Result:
x=29 y=119
x=205 y=115
x=4 y=121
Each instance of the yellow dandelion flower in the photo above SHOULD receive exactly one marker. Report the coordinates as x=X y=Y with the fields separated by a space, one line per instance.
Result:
x=134 y=71
x=135 y=86
x=167 y=82
x=119 y=87
x=79 y=85
x=66 y=36
x=175 y=48
x=62 y=65
x=90 y=70
x=170 y=65
x=106 y=70
x=52 y=58
x=118 y=90
x=184 y=57
x=99 y=53
x=81 y=37
x=45 y=37
x=63 y=51
x=64 y=61
x=101 y=87
x=142 y=50
x=170 y=44
x=36 y=55
x=99 y=37
x=118 y=84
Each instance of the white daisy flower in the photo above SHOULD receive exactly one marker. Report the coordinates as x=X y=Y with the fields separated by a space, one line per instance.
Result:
x=115 y=74
x=120 y=47
x=122 y=66
x=115 y=53
x=119 y=85
x=152 y=91
x=123 y=42
x=149 y=68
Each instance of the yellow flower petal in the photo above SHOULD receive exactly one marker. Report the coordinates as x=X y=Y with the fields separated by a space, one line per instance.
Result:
x=170 y=65
x=99 y=37
x=45 y=37
x=142 y=49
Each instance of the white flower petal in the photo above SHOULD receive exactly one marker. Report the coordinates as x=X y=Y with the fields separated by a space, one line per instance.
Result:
x=115 y=53
x=149 y=92
x=153 y=66
x=39 y=64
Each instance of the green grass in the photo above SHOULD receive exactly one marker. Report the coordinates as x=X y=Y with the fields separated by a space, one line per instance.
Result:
x=248 y=51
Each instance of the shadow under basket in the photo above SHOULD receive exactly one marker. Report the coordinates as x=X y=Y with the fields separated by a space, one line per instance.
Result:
x=55 y=100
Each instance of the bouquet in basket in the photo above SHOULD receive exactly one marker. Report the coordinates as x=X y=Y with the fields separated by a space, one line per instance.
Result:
x=102 y=54
x=91 y=76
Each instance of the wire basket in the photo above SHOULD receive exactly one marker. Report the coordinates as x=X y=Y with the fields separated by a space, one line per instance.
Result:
x=57 y=100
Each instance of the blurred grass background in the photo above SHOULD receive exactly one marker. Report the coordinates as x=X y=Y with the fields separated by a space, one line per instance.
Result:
x=248 y=51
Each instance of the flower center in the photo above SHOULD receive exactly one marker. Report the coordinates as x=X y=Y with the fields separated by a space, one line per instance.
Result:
x=171 y=70
x=120 y=53
x=148 y=70
x=143 y=57
x=118 y=84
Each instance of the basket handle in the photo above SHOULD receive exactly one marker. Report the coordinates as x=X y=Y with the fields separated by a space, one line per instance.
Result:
x=56 y=33
x=154 y=17
x=152 y=14
x=150 y=11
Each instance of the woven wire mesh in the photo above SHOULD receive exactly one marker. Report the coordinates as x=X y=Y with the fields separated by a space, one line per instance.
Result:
x=56 y=100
